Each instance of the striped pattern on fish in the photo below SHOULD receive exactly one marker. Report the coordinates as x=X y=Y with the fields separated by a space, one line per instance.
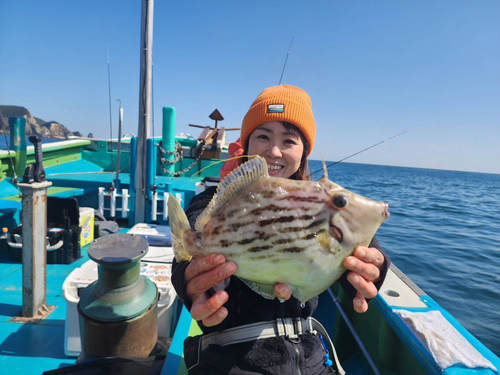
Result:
x=279 y=230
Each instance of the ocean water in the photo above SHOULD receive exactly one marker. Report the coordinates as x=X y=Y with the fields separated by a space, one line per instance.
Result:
x=5 y=141
x=443 y=232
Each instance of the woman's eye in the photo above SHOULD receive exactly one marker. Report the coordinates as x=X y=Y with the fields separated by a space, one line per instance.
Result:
x=291 y=142
x=340 y=201
x=263 y=136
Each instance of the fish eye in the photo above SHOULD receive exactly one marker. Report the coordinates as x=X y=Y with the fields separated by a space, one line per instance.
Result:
x=340 y=201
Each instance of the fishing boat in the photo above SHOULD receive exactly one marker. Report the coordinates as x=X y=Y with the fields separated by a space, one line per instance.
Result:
x=128 y=182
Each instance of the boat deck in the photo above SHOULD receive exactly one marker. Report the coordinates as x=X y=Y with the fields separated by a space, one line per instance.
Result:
x=32 y=348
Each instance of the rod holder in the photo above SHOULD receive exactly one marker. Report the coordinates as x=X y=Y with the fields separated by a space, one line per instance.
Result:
x=34 y=251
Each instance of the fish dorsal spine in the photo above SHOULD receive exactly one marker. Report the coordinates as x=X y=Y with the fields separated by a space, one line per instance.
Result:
x=231 y=185
x=325 y=168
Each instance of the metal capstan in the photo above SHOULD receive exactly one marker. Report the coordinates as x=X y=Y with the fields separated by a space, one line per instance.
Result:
x=118 y=312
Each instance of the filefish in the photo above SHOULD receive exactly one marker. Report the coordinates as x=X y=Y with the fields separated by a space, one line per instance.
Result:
x=279 y=230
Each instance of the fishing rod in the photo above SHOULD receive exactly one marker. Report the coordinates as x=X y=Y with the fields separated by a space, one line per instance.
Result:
x=359 y=152
x=118 y=151
x=355 y=334
x=286 y=59
x=110 y=114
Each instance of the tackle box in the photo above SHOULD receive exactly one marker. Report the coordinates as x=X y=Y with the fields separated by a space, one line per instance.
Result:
x=63 y=232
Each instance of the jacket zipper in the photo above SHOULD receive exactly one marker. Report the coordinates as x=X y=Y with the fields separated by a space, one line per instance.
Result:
x=297 y=360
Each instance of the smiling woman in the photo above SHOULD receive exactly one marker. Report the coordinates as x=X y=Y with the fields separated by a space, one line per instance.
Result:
x=291 y=107
x=280 y=128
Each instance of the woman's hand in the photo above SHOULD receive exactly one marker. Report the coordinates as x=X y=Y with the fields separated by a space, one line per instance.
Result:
x=201 y=275
x=282 y=291
x=205 y=272
x=365 y=264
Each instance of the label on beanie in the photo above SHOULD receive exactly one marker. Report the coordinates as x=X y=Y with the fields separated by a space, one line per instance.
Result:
x=275 y=108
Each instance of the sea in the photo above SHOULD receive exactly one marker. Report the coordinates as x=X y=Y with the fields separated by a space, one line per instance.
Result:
x=5 y=141
x=443 y=232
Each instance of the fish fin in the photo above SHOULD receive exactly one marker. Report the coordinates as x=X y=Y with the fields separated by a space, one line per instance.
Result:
x=265 y=290
x=232 y=184
x=178 y=224
x=299 y=294
x=324 y=239
x=325 y=169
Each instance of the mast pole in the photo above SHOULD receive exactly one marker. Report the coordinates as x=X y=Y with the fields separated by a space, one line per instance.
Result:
x=144 y=129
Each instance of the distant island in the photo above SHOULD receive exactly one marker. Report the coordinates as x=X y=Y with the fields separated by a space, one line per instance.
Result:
x=34 y=125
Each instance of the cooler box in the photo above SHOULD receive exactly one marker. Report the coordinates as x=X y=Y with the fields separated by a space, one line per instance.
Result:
x=86 y=225
x=156 y=265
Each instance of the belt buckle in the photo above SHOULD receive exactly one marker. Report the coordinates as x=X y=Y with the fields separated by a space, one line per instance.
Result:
x=291 y=329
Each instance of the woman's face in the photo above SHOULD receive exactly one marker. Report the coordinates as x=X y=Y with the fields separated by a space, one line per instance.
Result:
x=281 y=149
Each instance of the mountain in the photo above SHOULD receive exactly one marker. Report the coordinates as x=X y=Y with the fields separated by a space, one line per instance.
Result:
x=34 y=125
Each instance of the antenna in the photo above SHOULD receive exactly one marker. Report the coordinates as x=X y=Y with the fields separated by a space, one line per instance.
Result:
x=286 y=59
x=359 y=152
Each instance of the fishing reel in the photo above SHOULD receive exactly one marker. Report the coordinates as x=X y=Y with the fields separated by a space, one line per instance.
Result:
x=35 y=172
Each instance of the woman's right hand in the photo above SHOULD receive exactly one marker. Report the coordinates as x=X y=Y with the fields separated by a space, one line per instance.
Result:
x=201 y=275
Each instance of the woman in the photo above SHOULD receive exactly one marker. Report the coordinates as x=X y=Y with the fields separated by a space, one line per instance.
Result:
x=280 y=127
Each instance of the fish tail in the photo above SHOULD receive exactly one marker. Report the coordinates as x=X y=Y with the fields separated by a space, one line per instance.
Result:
x=178 y=225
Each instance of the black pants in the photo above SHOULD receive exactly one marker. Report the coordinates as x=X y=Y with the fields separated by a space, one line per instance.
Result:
x=272 y=356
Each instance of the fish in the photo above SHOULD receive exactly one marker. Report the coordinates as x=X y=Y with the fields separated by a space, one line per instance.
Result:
x=279 y=230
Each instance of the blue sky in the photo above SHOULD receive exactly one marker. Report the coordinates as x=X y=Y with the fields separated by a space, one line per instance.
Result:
x=372 y=68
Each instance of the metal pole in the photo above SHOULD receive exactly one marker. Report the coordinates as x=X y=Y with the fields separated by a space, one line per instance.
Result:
x=144 y=106
x=34 y=250
x=168 y=136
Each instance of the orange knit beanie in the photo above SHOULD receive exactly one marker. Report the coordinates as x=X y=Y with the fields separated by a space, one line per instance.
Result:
x=283 y=103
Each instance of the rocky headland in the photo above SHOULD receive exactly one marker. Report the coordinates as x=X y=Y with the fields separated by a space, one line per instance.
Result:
x=34 y=125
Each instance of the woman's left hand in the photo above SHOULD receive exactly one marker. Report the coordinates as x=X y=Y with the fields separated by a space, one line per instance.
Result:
x=365 y=264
